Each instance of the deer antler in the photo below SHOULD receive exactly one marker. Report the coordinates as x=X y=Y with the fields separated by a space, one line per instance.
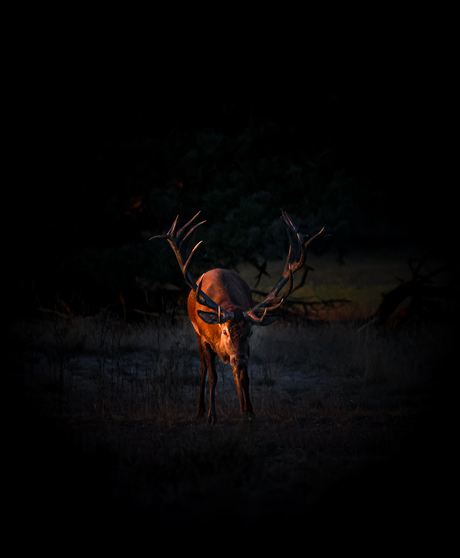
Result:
x=179 y=241
x=295 y=261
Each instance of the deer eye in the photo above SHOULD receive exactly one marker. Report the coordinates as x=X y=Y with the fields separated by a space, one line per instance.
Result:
x=225 y=332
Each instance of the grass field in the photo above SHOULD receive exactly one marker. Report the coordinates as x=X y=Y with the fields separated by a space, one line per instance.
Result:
x=361 y=279
x=104 y=416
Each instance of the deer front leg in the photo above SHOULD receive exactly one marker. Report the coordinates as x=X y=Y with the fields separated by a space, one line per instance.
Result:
x=241 y=378
x=212 y=378
x=236 y=377
x=210 y=362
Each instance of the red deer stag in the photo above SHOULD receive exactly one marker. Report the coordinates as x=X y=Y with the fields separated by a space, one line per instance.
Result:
x=226 y=329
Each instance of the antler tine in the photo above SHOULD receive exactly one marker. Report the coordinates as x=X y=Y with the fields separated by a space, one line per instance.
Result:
x=173 y=227
x=189 y=259
x=305 y=244
x=171 y=234
x=183 y=230
x=288 y=220
x=294 y=259
x=184 y=241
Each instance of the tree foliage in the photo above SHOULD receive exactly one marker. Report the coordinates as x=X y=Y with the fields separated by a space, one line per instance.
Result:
x=129 y=188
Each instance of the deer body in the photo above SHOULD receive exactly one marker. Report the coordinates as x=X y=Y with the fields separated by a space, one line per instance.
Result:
x=229 y=340
x=226 y=329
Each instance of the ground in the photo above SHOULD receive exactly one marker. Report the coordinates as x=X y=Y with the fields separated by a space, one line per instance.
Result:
x=350 y=426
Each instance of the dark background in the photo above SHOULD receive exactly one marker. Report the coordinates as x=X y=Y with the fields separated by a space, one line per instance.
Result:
x=112 y=146
x=110 y=143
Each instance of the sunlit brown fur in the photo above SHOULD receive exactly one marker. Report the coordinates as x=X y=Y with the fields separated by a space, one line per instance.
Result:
x=230 y=340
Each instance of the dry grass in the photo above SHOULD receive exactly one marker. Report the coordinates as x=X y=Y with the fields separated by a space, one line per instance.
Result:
x=104 y=417
x=156 y=363
x=361 y=279
x=114 y=404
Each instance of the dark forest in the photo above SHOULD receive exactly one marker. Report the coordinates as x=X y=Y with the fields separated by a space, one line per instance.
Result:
x=355 y=151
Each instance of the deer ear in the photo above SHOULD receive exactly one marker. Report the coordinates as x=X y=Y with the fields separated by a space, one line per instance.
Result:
x=209 y=317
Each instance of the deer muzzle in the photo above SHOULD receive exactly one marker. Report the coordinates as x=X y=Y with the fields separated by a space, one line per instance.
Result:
x=239 y=362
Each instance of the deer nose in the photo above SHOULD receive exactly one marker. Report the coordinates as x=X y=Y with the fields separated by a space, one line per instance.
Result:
x=239 y=362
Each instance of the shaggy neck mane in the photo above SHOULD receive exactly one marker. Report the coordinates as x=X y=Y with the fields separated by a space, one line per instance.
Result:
x=238 y=326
